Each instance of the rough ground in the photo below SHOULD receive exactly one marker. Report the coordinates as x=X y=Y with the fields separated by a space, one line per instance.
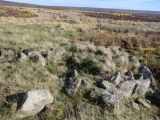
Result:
x=93 y=50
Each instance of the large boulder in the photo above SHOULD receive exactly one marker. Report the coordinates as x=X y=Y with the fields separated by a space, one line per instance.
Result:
x=109 y=86
x=33 y=102
x=111 y=100
x=72 y=86
x=116 y=78
x=36 y=57
x=134 y=88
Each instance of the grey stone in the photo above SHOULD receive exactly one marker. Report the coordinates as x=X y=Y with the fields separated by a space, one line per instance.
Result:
x=147 y=74
x=109 y=86
x=144 y=103
x=101 y=91
x=134 y=88
x=127 y=87
x=36 y=57
x=111 y=100
x=135 y=106
x=141 y=88
x=20 y=56
x=55 y=56
x=72 y=86
x=129 y=76
x=33 y=102
x=115 y=79
x=86 y=82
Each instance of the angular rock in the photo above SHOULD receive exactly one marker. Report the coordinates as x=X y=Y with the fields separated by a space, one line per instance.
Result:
x=141 y=88
x=109 y=86
x=134 y=88
x=116 y=78
x=111 y=100
x=54 y=56
x=144 y=102
x=72 y=86
x=101 y=91
x=36 y=57
x=33 y=102
x=147 y=74
x=135 y=106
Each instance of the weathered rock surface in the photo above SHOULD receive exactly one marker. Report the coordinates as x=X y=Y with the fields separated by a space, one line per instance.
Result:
x=144 y=102
x=33 y=102
x=101 y=91
x=111 y=100
x=135 y=106
x=147 y=74
x=72 y=86
x=116 y=79
x=129 y=75
x=36 y=57
x=54 y=56
x=109 y=86
x=135 y=88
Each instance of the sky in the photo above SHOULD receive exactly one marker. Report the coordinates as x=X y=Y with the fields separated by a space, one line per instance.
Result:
x=149 y=5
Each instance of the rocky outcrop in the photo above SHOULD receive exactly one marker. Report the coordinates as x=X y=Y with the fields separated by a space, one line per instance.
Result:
x=101 y=91
x=72 y=86
x=33 y=102
x=36 y=57
x=115 y=79
x=144 y=103
x=111 y=100
x=109 y=86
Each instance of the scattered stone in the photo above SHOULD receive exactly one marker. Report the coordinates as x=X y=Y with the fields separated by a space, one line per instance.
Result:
x=36 y=57
x=144 y=102
x=54 y=56
x=33 y=102
x=72 y=86
x=109 y=86
x=116 y=78
x=101 y=91
x=111 y=100
x=20 y=56
x=135 y=106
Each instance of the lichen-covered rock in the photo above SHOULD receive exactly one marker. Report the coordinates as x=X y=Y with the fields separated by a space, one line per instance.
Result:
x=141 y=88
x=111 y=100
x=36 y=57
x=54 y=56
x=134 y=88
x=127 y=87
x=147 y=74
x=109 y=86
x=72 y=86
x=116 y=79
x=33 y=102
